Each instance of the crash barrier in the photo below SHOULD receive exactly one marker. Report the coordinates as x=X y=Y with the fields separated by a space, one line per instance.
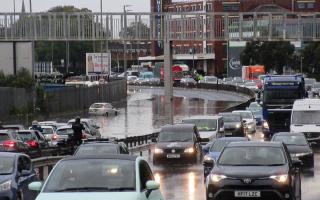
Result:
x=136 y=145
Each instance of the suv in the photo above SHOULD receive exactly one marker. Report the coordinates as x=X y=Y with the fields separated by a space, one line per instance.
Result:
x=233 y=125
x=35 y=141
x=177 y=143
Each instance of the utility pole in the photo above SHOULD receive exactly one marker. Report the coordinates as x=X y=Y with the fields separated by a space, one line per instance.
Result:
x=301 y=60
x=125 y=40
x=30 y=3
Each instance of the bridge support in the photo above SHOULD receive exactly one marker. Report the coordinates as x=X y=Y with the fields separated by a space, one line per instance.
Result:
x=168 y=82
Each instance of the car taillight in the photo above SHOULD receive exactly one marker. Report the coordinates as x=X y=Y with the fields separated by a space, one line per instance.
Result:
x=33 y=144
x=10 y=144
x=54 y=137
x=84 y=136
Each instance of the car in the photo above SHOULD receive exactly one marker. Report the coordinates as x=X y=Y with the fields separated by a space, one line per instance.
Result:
x=209 y=127
x=210 y=80
x=252 y=86
x=15 y=127
x=248 y=119
x=101 y=148
x=179 y=143
x=309 y=83
x=254 y=170
x=298 y=147
x=233 y=124
x=10 y=141
x=112 y=177
x=131 y=80
x=256 y=110
x=48 y=132
x=16 y=172
x=188 y=81
x=212 y=151
x=49 y=123
x=93 y=128
x=35 y=141
x=315 y=90
x=103 y=109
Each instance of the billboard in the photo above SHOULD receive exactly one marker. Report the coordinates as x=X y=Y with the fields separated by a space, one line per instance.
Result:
x=234 y=63
x=94 y=66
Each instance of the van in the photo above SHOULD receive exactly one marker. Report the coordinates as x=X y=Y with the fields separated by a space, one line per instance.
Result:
x=305 y=118
x=209 y=127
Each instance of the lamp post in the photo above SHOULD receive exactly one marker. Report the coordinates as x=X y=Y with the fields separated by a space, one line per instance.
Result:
x=125 y=40
x=101 y=55
x=30 y=3
x=301 y=60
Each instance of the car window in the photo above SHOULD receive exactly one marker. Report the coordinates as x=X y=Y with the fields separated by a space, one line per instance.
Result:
x=203 y=124
x=86 y=150
x=47 y=131
x=92 y=175
x=68 y=131
x=291 y=140
x=4 y=137
x=145 y=174
x=176 y=136
x=6 y=165
x=26 y=136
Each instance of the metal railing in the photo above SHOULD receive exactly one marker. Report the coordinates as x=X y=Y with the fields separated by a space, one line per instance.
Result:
x=87 y=26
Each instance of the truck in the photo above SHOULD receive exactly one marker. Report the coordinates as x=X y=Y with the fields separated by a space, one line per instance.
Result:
x=178 y=71
x=278 y=95
x=252 y=73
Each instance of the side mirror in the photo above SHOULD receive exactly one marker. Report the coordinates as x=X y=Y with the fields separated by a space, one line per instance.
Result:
x=154 y=140
x=244 y=121
x=151 y=185
x=35 y=186
x=208 y=162
x=296 y=163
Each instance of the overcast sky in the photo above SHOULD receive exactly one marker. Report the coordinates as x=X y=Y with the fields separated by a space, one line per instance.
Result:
x=94 y=5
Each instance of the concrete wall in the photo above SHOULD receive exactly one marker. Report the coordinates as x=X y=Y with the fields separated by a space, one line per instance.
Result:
x=23 y=55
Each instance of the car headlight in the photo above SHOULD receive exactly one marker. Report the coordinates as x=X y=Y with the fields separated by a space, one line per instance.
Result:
x=217 y=178
x=189 y=150
x=299 y=155
x=280 y=178
x=207 y=158
x=238 y=125
x=158 y=151
x=5 y=186
x=265 y=125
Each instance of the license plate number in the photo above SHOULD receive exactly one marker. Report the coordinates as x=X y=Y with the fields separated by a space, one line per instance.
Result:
x=246 y=194
x=173 y=156
x=228 y=133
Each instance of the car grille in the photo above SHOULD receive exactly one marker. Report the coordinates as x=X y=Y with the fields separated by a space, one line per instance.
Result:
x=173 y=150
x=311 y=135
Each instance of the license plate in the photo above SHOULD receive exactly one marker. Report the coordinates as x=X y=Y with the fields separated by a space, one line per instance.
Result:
x=247 y=194
x=228 y=133
x=173 y=155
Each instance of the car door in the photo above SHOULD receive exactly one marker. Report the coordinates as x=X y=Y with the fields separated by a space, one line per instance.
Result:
x=21 y=145
x=145 y=175
x=25 y=164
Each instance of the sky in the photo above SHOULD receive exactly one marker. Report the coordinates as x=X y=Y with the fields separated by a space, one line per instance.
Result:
x=94 y=5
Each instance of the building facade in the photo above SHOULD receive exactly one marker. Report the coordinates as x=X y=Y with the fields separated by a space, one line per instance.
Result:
x=212 y=56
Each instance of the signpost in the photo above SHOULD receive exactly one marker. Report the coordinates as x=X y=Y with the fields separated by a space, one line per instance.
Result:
x=95 y=64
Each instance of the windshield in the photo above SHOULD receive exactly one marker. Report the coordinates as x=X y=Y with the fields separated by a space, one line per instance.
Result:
x=6 y=165
x=231 y=118
x=4 y=137
x=219 y=145
x=309 y=81
x=291 y=140
x=176 y=136
x=97 y=106
x=47 y=131
x=87 y=150
x=26 y=136
x=274 y=95
x=306 y=117
x=245 y=115
x=92 y=175
x=68 y=131
x=317 y=85
x=203 y=124
x=252 y=156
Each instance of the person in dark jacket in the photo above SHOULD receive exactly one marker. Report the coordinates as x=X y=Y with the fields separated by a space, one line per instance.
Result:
x=36 y=126
x=77 y=131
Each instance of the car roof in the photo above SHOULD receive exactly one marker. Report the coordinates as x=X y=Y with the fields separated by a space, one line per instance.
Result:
x=255 y=144
x=100 y=144
x=233 y=139
x=107 y=156
x=204 y=117
x=288 y=134
x=29 y=131
x=10 y=154
x=178 y=127
x=64 y=127
x=47 y=127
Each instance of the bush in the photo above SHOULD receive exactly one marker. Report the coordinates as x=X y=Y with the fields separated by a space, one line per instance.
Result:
x=23 y=79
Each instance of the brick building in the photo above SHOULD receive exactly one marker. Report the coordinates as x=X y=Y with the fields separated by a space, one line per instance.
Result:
x=211 y=56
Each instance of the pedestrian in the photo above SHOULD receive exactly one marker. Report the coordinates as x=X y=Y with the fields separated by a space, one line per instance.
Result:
x=77 y=128
x=36 y=126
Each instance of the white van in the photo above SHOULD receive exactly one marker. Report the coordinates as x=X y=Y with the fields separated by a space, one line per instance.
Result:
x=305 y=118
x=209 y=127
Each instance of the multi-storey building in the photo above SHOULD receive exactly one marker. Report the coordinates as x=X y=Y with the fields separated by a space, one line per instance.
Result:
x=211 y=56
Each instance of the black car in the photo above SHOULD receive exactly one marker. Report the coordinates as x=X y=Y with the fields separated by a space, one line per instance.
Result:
x=101 y=148
x=254 y=170
x=35 y=141
x=233 y=125
x=176 y=144
x=10 y=141
x=298 y=147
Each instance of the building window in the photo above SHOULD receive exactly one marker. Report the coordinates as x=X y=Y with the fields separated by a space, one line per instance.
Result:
x=231 y=7
x=194 y=7
x=301 y=5
x=209 y=7
x=310 y=5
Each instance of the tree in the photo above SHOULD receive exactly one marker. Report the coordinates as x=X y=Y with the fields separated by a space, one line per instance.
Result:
x=135 y=28
x=22 y=79
x=311 y=57
x=273 y=55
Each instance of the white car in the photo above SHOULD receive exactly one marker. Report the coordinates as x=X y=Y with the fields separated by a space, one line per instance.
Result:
x=110 y=177
x=49 y=134
x=102 y=109
x=252 y=86
x=250 y=121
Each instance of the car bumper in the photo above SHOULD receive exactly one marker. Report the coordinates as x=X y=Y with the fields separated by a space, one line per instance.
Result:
x=183 y=158
x=234 y=133
x=229 y=194
x=7 y=195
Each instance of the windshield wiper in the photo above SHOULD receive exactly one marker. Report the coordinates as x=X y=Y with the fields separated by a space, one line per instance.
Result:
x=122 y=189
x=83 y=189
